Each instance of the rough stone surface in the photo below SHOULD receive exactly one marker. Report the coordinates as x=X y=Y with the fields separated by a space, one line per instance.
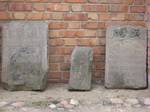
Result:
x=126 y=48
x=24 y=55
x=81 y=66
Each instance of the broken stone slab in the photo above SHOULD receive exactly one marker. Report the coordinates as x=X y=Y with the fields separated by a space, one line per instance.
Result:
x=81 y=68
x=126 y=52
x=24 y=55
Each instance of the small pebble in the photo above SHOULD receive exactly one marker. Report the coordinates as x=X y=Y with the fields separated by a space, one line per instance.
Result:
x=18 y=104
x=132 y=101
x=3 y=103
x=147 y=101
x=52 y=106
x=68 y=106
x=74 y=102
x=116 y=101
x=64 y=102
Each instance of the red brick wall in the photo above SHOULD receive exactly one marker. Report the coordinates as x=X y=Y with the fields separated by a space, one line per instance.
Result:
x=76 y=22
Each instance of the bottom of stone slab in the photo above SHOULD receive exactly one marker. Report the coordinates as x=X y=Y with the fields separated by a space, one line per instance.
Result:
x=22 y=88
x=126 y=87
x=79 y=89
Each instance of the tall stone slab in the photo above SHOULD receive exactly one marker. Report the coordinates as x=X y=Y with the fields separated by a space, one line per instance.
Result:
x=81 y=69
x=126 y=52
x=24 y=55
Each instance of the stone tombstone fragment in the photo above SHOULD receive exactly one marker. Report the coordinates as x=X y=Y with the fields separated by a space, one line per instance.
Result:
x=126 y=52
x=81 y=68
x=24 y=55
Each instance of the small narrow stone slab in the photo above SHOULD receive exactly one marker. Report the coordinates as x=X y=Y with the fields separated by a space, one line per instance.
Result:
x=126 y=52
x=81 y=69
x=24 y=55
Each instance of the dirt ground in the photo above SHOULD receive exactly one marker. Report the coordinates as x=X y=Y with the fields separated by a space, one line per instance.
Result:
x=99 y=99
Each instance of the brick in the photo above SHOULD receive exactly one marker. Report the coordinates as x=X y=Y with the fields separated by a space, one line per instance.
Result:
x=54 y=67
x=104 y=16
x=39 y=7
x=57 y=16
x=58 y=7
x=56 y=59
x=118 y=16
x=72 y=33
x=3 y=6
x=43 y=1
x=65 y=66
x=4 y=16
x=93 y=25
x=147 y=2
x=95 y=8
x=56 y=42
x=137 y=9
x=76 y=8
x=101 y=33
x=74 y=25
x=54 y=75
x=20 y=6
x=135 y=17
x=70 y=41
x=148 y=9
x=107 y=1
x=87 y=41
x=99 y=58
x=60 y=50
x=100 y=50
x=90 y=33
x=139 y=2
x=118 y=8
x=66 y=75
x=19 y=15
x=35 y=16
x=100 y=66
x=93 y=16
x=58 y=25
x=75 y=1
x=76 y=17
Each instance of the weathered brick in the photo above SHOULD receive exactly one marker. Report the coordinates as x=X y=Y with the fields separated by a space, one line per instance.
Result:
x=65 y=66
x=88 y=41
x=56 y=59
x=70 y=41
x=74 y=25
x=76 y=16
x=75 y=1
x=118 y=16
x=135 y=17
x=58 y=25
x=54 y=67
x=76 y=8
x=104 y=16
x=93 y=16
x=56 y=42
x=58 y=7
x=137 y=9
x=95 y=8
x=4 y=16
x=19 y=15
x=39 y=7
x=20 y=6
x=118 y=8
x=139 y=2
x=3 y=6
x=93 y=25
x=38 y=16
